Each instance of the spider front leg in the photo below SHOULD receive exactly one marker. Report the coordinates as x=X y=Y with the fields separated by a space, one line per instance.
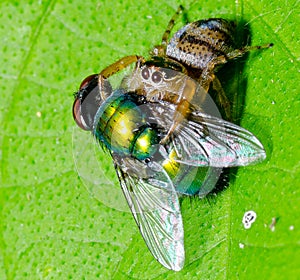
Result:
x=183 y=105
x=113 y=69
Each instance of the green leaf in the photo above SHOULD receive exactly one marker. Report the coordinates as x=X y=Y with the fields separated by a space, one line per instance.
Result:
x=52 y=228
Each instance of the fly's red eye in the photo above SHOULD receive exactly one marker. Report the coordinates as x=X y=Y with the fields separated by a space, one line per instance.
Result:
x=77 y=115
x=87 y=80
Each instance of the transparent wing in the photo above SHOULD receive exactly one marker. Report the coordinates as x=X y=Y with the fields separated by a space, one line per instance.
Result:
x=208 y=140
x=155 y=207
x=95 y=168
x=204 y=140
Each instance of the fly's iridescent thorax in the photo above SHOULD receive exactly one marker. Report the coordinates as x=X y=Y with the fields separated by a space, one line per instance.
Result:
x=122 y=125
x=197 y=43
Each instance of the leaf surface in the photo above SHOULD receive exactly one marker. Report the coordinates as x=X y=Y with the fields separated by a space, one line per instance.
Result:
x=52 y=228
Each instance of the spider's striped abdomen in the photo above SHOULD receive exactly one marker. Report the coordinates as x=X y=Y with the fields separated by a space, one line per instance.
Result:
x=197 y=43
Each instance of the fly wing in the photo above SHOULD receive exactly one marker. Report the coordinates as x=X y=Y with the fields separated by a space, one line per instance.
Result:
x=208 y=140
x=204 y=140
x=89 y=160
x=155 y=207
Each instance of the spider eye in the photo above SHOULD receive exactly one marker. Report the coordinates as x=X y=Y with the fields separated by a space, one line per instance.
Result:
x=157 y=77
x=145 y=73
x=87 y=80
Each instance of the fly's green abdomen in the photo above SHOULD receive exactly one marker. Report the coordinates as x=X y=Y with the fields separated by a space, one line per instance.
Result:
x=121 y=124
x=186 y=179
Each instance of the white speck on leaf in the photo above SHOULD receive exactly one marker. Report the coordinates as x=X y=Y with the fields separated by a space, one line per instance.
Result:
x=249 y=218
x=272 y=225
